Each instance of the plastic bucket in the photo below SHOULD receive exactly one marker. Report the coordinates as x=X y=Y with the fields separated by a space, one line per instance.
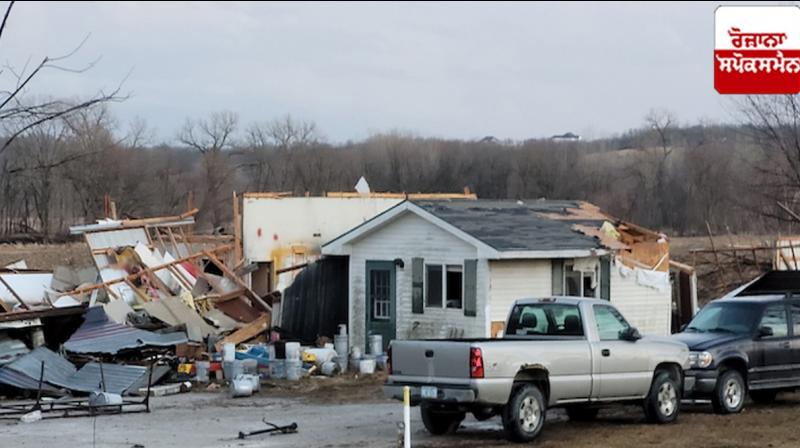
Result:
x=366 y=366
x=202 y=371
x=228 y=351
x=277 y=369
x=292 y=350
x=294 y=368
x=376 y=344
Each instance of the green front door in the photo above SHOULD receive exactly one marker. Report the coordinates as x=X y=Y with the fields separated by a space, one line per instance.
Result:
x=380 y=301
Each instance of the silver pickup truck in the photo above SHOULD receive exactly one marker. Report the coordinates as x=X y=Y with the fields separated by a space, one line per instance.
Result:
x=566 y=352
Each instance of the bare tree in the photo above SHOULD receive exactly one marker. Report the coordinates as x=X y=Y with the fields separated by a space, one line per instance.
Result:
x=287 y=133
x=18 y=116
x=773 y=121
x=212 y=137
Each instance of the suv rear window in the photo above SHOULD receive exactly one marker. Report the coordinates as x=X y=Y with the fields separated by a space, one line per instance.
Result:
x=545 y=319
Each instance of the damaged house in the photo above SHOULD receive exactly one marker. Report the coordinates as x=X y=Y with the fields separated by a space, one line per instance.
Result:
x=452 y=268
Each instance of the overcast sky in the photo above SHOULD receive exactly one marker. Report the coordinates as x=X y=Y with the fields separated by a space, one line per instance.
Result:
x=436 y=69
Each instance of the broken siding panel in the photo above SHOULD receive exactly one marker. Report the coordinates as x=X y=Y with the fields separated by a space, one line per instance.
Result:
x=408 y=237
x=644 y=307
x=517 y=279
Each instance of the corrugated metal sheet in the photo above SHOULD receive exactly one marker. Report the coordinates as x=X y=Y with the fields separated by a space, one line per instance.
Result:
x=21 y=381
x=57 y=370
x=119 y=378
x=24 y=373
x=10 y=349
x=99 y=334
x=117 y=238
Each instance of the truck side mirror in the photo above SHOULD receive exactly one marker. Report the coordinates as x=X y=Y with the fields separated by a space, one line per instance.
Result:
x=765 y=332
x=631 y=334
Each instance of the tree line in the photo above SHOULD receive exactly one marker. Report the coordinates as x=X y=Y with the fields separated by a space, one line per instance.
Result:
x=662 y=175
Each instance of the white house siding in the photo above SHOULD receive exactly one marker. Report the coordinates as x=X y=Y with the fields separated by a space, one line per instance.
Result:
x=407 y=237
x=646 y=308
x=516 y=279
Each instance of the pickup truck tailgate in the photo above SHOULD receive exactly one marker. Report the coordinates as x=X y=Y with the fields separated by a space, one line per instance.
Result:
x=431 y=359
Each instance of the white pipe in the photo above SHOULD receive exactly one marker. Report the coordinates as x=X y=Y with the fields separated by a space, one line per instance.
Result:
x=406 y=417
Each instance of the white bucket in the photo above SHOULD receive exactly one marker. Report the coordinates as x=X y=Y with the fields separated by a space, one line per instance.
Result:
x=376 y=344
x=292 y=350
x=294 y=369
x=229 y=351
x=366 y=366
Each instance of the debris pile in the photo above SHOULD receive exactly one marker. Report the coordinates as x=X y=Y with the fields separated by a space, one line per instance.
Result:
x=160 y=308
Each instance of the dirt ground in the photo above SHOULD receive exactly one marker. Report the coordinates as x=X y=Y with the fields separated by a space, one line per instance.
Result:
x=343 y=412
x=46 y=256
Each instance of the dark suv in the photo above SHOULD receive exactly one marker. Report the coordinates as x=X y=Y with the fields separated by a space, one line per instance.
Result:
x=744 y=344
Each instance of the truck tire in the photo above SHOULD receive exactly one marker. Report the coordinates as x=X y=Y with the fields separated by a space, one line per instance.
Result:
x=663 y=401
x=440 y=421
x=524 y=414
x=763 y=396
x=729 y=393
x=581 y=414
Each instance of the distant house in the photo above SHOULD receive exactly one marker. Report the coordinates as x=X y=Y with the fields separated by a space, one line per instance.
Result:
x=452 y=268
x=568 y=137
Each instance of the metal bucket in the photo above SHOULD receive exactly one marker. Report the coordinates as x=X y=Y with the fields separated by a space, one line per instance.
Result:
x=375 y=344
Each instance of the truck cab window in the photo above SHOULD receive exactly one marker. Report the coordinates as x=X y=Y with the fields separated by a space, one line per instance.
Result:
x=545 y=320
x=610 y=323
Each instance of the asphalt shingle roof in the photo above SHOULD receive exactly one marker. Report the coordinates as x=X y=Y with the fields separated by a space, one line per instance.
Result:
x=510 y=225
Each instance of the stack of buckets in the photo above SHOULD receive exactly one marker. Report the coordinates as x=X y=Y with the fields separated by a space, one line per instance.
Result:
x=340 y=345
x=294 y=366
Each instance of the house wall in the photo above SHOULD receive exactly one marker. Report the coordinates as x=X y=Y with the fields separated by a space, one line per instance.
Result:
x=511 y=280
x=407 y=237
x=646 y=308
x=271 y=226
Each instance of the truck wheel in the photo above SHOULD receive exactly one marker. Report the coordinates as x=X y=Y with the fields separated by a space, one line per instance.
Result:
x=581 y=414
x=524 y=414
x=663 y=401
x=763 y=396
x=729 y=393
x=440 y=421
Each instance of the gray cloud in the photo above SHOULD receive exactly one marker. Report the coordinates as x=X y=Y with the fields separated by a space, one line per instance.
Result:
x=512 y=70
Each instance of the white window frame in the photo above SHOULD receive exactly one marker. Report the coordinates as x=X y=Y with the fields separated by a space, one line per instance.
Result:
x=443 y=267
x=584 y=274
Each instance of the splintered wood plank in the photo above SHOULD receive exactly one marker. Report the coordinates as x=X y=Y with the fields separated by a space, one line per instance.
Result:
x=247 y=332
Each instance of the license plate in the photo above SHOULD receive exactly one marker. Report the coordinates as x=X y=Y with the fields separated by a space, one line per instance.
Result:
x=429 y=392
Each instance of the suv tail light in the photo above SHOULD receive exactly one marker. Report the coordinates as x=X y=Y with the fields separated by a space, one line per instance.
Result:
x=475 y=363
x=389 y=360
